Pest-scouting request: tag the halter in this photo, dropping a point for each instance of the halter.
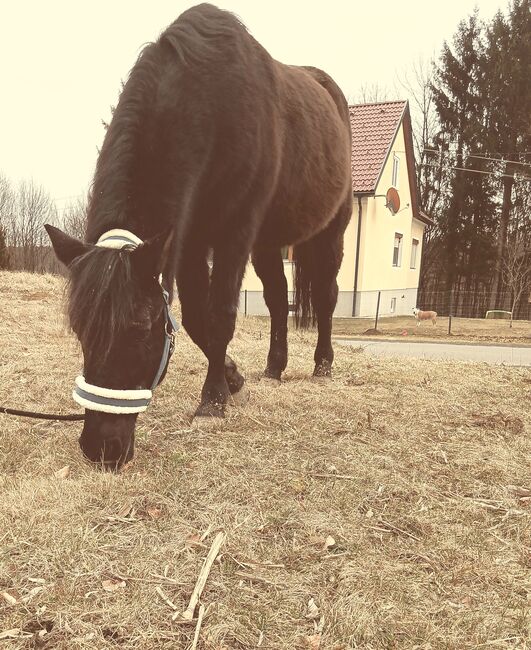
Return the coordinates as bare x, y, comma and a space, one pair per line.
111, 400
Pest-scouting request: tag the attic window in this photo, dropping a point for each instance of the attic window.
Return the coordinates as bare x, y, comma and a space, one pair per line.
396, 165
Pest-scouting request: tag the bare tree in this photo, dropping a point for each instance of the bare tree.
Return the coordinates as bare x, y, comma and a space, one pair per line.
516, 263
5, 192
516, 267
7, 210
415, 84
34, 208
74, 218
372, 93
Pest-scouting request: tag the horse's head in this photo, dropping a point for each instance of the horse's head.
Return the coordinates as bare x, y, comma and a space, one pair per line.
119, 313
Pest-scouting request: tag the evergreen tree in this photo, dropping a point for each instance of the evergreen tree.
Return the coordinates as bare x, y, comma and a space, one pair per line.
469, 208
508, 99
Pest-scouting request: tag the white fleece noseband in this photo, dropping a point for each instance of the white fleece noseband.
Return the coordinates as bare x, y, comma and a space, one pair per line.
111, 400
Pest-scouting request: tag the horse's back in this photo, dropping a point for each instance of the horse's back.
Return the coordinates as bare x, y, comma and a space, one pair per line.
315, 161
254, 136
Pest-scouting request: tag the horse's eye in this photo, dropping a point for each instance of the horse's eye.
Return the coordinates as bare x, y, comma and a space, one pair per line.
140, 331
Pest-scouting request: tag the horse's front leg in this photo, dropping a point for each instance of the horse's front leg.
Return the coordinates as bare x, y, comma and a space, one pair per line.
226, 279
193, 285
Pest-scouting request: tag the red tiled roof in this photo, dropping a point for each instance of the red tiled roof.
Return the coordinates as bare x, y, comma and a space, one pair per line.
373, 129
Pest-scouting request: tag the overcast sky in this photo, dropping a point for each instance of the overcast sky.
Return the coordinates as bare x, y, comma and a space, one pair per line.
61, 63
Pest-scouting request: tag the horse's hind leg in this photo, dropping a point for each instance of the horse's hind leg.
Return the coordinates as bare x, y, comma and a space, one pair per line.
193, 286
270, 269
327, 256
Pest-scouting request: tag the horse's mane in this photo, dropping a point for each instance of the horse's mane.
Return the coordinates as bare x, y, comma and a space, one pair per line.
101, 298
125, 161
196, 34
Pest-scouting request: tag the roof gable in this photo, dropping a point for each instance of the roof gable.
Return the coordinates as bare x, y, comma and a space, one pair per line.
374, 127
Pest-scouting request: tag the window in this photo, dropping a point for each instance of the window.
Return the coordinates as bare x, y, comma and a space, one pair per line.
397, 250
414, 249
393, 305
396, 165
287, 253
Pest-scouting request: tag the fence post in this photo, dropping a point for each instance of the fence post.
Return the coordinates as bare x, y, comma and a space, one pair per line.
245, 303
377, 311
450, 309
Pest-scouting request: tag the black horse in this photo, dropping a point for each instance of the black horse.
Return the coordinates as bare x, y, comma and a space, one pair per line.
214, 146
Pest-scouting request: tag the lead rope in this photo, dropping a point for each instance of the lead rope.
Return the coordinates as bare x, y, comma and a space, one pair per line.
72, 417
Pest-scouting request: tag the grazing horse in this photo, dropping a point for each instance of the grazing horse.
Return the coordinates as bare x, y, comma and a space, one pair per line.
213, 146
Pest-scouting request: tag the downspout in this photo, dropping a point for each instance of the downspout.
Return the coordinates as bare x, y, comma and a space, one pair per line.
358, 239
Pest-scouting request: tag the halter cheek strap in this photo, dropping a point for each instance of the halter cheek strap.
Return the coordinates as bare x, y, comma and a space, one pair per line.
111, 400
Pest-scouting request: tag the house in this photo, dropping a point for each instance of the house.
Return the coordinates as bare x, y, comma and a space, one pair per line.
383, 241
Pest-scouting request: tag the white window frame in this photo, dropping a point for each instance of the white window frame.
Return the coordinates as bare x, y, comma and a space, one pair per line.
393, 305
396, 170
414, 250
400, 236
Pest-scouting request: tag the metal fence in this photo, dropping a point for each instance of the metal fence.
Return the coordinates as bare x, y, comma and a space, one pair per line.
360, 304
474, 304
401, 302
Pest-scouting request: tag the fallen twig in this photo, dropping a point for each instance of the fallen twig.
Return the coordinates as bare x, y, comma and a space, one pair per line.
391, 527
188, 614
253, 578
165, 598
345, 477
198, 627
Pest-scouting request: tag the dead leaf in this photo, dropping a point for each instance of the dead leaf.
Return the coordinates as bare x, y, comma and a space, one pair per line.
312, 642
10, 600
194, 540
329, 543
520, 492
154, 513
113, 584
124, 511
31, 593
64, 472
312, 611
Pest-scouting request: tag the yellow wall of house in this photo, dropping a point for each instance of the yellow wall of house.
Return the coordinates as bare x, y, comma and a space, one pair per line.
379, 227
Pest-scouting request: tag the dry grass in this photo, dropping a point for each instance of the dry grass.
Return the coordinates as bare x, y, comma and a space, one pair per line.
408, 466
463, 329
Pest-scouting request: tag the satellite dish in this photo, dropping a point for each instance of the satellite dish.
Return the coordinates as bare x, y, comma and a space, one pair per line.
393, 200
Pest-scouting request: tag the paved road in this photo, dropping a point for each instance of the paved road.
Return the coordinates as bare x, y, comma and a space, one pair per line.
509, 355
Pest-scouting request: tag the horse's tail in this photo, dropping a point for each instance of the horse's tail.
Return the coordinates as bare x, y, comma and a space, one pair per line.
304, 262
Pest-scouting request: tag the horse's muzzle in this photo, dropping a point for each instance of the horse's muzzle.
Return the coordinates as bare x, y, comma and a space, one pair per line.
108, 439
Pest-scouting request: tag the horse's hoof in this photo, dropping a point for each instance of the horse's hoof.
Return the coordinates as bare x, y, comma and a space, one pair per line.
208, 416
270, 381
323, 371
241, 397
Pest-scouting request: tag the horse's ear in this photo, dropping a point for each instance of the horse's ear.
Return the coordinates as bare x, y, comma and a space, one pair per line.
150, 258
66, 248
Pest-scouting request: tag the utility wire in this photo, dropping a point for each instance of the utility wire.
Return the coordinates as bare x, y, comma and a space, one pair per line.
477, 155
475, 171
